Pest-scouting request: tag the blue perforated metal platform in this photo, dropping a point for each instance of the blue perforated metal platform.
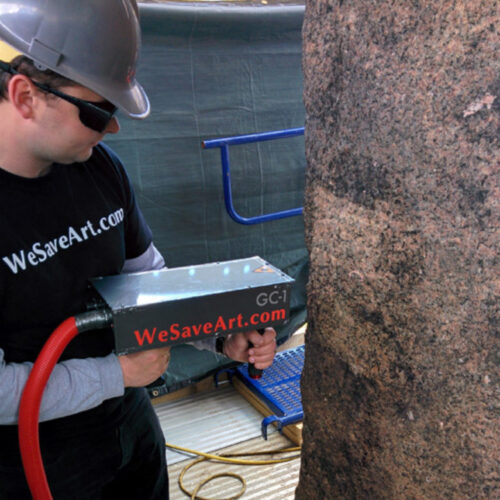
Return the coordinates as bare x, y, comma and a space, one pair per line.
279, 387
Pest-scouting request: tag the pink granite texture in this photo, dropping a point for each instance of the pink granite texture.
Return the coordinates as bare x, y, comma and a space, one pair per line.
401, 379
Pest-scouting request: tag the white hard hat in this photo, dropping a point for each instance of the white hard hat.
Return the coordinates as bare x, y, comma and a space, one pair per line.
95, 43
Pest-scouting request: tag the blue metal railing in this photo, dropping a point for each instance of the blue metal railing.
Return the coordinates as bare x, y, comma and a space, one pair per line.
224, 144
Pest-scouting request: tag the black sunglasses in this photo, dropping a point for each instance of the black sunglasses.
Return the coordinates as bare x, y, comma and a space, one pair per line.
94, 115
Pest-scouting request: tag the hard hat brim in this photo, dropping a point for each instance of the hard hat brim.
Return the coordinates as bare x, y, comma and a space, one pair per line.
133, 101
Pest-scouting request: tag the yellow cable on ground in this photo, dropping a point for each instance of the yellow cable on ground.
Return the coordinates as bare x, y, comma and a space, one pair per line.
227, 458
194, 494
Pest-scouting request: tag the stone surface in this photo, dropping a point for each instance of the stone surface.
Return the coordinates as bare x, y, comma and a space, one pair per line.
401, 378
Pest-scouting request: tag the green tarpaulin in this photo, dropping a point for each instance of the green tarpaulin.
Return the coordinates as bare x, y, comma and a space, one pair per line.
214, 71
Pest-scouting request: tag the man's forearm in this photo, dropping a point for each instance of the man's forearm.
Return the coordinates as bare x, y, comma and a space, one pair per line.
74, 386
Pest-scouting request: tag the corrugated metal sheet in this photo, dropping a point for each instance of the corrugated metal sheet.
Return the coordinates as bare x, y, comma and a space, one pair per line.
222, 421
208, 421
263, 482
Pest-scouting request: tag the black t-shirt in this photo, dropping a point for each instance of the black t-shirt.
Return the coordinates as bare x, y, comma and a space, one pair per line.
57, 231
77, 222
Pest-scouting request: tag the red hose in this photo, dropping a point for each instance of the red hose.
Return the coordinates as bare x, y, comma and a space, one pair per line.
29, 408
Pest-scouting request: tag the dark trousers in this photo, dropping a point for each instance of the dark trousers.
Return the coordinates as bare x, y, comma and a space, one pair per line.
126, 462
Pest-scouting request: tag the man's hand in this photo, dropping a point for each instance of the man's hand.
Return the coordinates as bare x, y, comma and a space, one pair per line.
143, 367
261, 354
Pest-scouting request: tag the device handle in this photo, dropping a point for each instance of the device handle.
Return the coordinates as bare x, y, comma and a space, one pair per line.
159, 382
255, 373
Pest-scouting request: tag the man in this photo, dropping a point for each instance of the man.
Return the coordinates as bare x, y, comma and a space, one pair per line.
68, 213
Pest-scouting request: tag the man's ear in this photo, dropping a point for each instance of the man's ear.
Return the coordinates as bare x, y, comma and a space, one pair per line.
22, 95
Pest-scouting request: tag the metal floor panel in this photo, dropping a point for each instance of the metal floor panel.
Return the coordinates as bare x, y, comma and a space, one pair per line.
266, 482
223, 421
208, 421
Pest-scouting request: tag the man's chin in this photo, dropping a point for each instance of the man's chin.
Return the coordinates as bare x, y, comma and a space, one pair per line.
78, 158
86, 156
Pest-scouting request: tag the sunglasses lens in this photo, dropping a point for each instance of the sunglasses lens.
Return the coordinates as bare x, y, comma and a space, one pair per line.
95, 118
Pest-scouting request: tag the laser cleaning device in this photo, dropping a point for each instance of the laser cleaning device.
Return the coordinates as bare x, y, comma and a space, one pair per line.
154, 309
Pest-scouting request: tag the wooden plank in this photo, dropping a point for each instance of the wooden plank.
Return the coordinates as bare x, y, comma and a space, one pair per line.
205, 385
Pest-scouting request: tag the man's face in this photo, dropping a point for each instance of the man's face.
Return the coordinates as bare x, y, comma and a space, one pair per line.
62, 137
